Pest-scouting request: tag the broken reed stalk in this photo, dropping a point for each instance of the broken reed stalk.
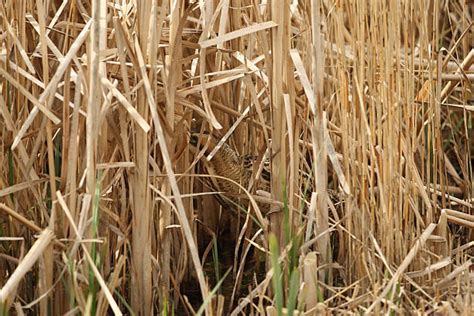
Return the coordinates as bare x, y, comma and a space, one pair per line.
106, 93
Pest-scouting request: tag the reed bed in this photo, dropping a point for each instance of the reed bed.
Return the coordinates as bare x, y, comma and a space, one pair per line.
363, 109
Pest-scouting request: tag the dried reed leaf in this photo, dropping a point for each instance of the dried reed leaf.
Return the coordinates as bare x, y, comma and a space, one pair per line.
404, 265
26, 264
54, 81
130, 109
236, 34
98, 276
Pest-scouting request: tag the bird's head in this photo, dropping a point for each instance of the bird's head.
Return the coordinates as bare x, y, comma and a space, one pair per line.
199, 141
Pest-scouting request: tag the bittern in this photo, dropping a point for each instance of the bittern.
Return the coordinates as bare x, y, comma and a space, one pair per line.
231, 168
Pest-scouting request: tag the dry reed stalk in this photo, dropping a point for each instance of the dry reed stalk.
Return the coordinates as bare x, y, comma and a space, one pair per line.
25, 265
318, 139
141, 282
310, 277
78, 235
166, 210
279, 77
47, 264
97, 99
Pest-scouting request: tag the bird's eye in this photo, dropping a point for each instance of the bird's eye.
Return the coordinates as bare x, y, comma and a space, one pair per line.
193, 140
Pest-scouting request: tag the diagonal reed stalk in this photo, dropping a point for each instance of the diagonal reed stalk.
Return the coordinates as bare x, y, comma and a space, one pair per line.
362, 110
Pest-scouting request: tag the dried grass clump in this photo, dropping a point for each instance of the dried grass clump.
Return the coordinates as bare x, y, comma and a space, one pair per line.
362, 108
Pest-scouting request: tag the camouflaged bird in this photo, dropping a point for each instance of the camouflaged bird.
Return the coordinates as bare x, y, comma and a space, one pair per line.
228, 164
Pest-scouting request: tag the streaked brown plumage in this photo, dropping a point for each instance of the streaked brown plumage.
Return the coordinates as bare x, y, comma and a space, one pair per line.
228, 164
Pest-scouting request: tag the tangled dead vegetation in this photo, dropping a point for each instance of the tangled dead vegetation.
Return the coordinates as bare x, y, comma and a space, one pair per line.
340, 179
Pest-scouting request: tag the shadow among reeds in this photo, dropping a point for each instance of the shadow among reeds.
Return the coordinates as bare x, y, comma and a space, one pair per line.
338, 178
